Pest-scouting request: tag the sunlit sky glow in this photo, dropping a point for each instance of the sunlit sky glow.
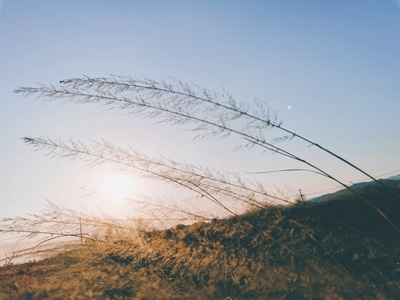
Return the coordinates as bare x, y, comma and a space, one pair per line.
330, 69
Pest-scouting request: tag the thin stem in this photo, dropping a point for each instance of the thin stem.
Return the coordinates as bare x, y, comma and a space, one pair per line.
184, 107
229, 108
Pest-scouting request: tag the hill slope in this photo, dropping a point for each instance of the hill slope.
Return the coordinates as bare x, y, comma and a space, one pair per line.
392, 182
338, 249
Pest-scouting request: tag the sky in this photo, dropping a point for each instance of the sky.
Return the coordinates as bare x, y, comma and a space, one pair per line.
330, 69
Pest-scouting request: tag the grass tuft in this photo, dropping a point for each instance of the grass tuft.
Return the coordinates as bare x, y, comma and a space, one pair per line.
326, 250
261, 246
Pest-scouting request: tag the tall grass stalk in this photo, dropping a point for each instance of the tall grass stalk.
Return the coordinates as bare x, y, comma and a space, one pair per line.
216, 186
181, 103
61, 224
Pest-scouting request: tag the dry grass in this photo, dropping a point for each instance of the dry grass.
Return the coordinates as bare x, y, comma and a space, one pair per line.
345, 248
333, 250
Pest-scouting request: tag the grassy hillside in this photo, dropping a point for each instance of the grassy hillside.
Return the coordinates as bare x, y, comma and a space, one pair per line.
339, 249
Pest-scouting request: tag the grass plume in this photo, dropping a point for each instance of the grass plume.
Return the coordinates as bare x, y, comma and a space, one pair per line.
261, 246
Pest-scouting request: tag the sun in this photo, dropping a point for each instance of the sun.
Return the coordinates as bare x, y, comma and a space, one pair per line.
116, 186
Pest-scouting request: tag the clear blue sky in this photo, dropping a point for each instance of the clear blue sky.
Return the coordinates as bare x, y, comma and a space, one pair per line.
335, 63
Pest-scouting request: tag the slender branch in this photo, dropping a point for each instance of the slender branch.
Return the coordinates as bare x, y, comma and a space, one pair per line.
183, 105
114, 154
129, 83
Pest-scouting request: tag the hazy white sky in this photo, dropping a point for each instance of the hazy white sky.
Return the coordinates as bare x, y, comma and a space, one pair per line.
335, 63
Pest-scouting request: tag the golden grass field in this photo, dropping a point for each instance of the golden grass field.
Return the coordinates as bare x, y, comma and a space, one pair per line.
338, 249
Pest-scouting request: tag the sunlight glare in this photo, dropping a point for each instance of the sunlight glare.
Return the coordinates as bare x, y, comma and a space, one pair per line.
117, 187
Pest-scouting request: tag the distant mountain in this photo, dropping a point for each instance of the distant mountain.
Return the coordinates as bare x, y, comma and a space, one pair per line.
395, 177
391, 181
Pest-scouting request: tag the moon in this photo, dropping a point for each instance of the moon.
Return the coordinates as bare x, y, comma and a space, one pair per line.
289, 107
